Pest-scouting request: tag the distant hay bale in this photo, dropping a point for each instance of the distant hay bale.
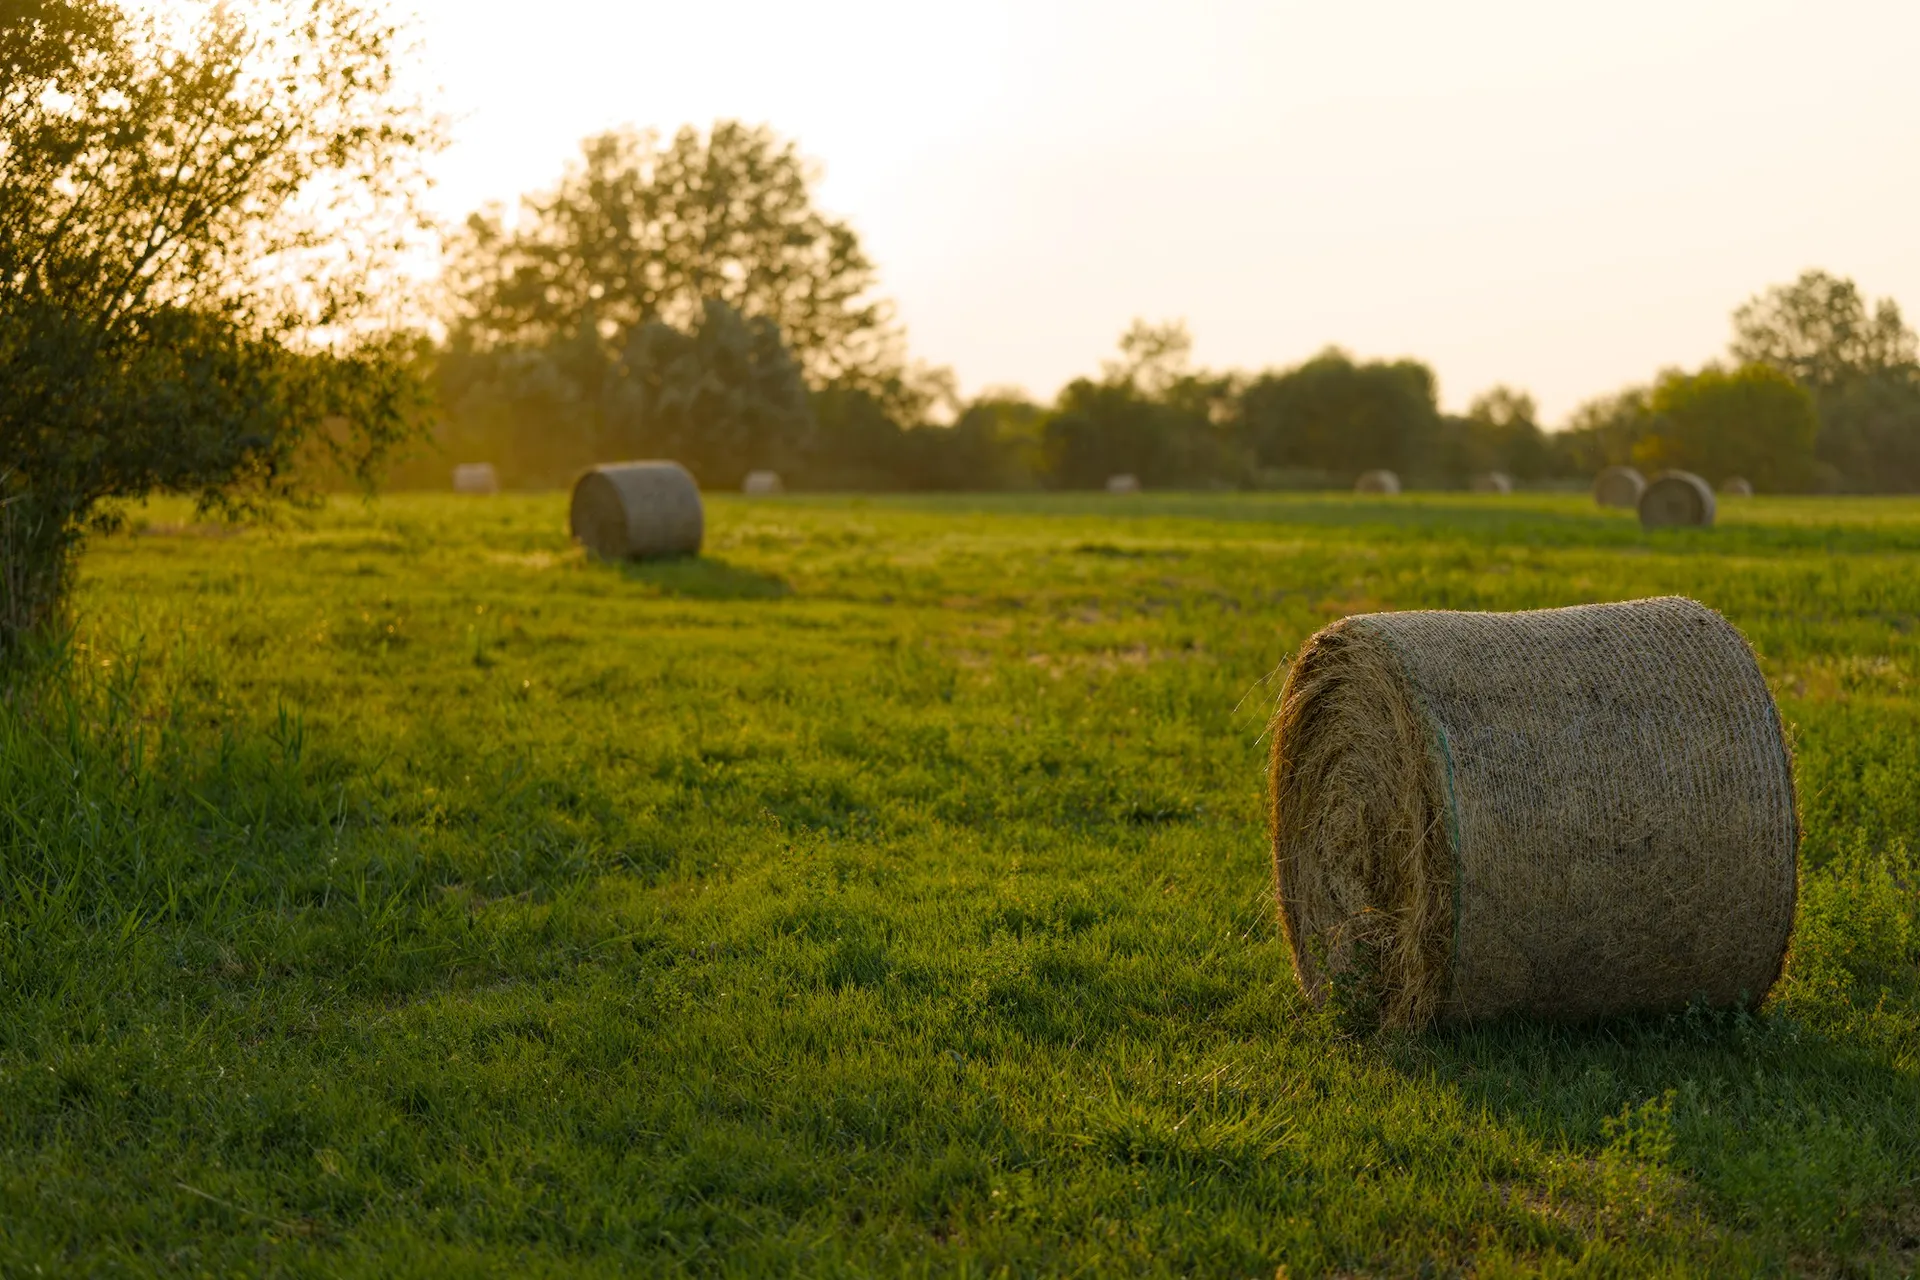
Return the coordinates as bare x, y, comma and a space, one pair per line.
475, 477
1568, 813
1123, 484
1676, 498
1737, 487
638, 510
1619, 487
762, 483
1377, 482
1493, 482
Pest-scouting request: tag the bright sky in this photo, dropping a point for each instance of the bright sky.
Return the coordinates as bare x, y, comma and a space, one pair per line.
1561, 197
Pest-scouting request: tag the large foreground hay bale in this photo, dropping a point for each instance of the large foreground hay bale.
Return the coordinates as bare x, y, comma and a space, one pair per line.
1568, 813
624, 510
1493, 482
476, 478
1676, 498
1123, 484
759, 484
1737, 487
1619, 487
1377, 482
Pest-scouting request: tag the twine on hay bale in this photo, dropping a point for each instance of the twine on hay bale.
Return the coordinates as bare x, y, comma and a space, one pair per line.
1377, 482
476, 478
1568, 813
1619, 487
1676, 498
1737, 487
1493, 482
1123, 484
761, 483
634, 510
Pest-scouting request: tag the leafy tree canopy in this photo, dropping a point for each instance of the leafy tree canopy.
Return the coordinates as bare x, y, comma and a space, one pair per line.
1501, 432
724, 397
1819, 331
198, 208
645, 229
1341, 416
1753, 421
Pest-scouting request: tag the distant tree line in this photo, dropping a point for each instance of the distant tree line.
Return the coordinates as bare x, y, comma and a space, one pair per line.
682, 297
1821, 393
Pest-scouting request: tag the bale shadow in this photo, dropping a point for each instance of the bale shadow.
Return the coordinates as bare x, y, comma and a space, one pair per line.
704, 578
1808, 1135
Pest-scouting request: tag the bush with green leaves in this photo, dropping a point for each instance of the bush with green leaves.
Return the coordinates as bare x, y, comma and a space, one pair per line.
201, 211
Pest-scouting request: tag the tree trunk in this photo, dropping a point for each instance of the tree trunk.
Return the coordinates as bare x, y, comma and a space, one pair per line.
37, 543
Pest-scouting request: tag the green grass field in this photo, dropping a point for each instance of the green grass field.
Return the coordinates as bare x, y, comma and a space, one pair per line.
397, 892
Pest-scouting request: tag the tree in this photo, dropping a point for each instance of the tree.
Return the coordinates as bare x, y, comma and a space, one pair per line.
1753, 421
1862, 367
1153, 357
1870, 432
1500, 432
1148, 416
725, 397
1334, 415
1603, 432
198, 211
1818, 331
537, 413
643, 230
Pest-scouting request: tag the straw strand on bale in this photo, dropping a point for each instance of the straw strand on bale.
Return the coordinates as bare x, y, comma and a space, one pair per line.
1569, 813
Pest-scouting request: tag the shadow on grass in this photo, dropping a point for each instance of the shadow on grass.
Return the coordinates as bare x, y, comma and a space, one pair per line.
1809, 1136
704, 578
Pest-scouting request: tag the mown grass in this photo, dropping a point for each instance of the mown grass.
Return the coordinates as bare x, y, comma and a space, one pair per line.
886, 892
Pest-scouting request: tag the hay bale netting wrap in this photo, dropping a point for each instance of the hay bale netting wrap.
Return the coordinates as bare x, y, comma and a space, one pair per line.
760, 484
1619, 487
1737, 487
1676, 498
637, 510
1568, 813
476, 478
1377, 482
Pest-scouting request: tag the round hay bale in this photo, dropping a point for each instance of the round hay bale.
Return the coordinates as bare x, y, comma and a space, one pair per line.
475, 477
1123, 484
1619, 487
1737, 487
1676, 498
1377, 482
1493, 482
1568, 813
638, 510
761, 483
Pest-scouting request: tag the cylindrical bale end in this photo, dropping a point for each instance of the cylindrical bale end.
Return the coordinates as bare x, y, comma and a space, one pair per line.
1619, 487
1568, 813
1676, 499
1493, 482
638, 510
1737, 487
1377, 482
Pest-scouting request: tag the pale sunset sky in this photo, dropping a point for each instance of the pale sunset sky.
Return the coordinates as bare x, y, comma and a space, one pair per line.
1561, 197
